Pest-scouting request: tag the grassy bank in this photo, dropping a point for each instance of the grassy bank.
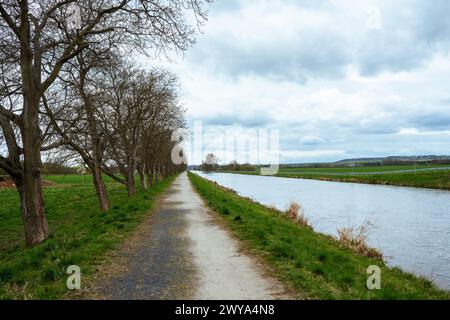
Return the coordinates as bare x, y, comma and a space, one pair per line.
360, 170
315, 265
432, 180
80, 234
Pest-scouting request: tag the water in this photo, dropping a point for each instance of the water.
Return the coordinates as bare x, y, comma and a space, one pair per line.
412, 225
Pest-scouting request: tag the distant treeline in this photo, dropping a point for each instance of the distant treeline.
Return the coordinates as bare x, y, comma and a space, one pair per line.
233, 166
58, 168
52, 168
394, 162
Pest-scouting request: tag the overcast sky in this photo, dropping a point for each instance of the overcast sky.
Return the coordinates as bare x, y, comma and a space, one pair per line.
339, 78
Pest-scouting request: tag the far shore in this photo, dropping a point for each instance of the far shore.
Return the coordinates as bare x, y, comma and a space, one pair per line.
438, 179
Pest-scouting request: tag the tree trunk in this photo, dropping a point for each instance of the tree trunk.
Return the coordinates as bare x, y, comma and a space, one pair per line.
149, 178
143, 180
35, 224
131, 184
31, 199
97, 149
156, 177
32, 202
100, 188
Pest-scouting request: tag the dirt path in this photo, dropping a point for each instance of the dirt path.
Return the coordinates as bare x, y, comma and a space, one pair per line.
184, 254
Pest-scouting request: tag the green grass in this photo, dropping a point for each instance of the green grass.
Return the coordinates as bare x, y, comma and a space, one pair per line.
366, 169
75, 179
314, 265
80, 235
432, 180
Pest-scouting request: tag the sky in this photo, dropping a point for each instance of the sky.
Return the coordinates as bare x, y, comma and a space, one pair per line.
338, 78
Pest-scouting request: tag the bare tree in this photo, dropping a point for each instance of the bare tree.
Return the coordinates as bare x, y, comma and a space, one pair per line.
166, 117
37, 39
211, 162
75, 116
139, 104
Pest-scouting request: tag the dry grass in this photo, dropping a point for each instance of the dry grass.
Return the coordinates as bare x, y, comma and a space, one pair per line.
6, 182
19, 291
296, 213
356, 239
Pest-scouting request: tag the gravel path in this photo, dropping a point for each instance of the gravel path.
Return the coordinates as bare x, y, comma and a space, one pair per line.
186, 254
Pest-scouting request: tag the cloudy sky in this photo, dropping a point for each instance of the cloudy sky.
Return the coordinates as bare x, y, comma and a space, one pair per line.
338, 78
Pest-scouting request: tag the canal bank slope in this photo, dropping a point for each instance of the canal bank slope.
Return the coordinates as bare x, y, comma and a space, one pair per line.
315, 265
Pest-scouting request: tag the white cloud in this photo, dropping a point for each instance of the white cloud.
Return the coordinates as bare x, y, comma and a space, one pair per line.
415, 132
305, 155
311, 140
314, 70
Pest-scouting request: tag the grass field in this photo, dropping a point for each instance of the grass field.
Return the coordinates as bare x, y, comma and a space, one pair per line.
80, 234
358, 170
314, 265
432, 180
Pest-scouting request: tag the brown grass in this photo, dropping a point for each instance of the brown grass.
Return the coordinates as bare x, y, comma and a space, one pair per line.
296, 213
6, 182
356, 239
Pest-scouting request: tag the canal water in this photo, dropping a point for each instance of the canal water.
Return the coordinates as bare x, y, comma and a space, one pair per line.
412, 225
